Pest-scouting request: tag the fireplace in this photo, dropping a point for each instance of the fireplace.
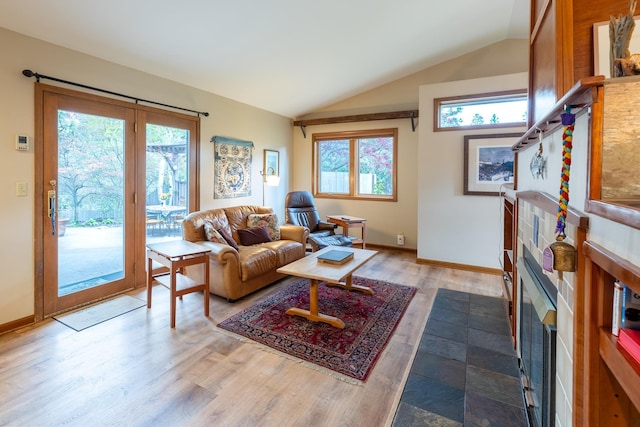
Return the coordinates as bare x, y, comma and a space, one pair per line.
537, 338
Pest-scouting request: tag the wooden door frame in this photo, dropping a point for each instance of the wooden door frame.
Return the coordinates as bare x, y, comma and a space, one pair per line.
39, 182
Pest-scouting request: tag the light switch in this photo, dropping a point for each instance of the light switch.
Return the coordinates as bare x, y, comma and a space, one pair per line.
21, 189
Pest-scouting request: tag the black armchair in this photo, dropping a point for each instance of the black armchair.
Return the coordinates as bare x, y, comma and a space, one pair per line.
300, 209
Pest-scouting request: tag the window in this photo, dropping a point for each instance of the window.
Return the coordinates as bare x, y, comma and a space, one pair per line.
358, 164
500, 109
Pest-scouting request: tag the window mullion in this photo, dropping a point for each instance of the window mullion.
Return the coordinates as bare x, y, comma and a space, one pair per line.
353, 146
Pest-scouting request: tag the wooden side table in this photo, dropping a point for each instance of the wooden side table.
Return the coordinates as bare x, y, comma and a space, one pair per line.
347, 222
177, 254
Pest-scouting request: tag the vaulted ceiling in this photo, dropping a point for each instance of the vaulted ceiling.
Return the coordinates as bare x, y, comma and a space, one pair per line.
289, 57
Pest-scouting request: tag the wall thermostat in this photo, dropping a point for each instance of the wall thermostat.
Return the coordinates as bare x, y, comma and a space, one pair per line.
22, 143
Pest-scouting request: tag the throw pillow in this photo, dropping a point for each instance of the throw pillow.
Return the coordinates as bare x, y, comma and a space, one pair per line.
265, 220
212, 234
228, 238
253, 236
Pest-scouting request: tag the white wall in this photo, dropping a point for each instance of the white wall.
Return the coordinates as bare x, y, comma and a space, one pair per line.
453, 227
228, 118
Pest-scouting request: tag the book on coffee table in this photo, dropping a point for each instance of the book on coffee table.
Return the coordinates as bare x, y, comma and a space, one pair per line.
335, 257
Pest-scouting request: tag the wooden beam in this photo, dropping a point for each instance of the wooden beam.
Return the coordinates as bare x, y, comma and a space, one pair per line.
359, 118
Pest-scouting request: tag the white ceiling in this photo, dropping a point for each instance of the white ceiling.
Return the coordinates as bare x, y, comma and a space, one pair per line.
290, 57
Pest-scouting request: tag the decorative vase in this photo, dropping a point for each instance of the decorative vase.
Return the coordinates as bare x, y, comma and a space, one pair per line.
62, 226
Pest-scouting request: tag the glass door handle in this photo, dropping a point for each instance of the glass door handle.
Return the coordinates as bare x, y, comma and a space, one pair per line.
51, 196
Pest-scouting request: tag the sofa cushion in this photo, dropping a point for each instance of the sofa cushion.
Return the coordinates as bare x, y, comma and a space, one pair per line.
265, 220
286, 251
212, 234
255, 261
254, 235
228, 238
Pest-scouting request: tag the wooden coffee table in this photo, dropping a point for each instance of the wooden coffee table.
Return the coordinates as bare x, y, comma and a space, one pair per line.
335, 275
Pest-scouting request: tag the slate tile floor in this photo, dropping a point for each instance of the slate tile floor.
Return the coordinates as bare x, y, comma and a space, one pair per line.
465, 372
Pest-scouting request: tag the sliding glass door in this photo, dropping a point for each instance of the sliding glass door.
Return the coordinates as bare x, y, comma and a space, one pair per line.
106, 191
88, 172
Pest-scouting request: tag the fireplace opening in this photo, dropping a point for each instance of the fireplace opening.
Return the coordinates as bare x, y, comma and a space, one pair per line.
538, 299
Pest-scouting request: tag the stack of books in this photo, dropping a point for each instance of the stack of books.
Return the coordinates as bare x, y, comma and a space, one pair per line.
335, 257
626, 319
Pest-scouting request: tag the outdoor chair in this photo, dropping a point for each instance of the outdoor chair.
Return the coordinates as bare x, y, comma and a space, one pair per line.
300, 209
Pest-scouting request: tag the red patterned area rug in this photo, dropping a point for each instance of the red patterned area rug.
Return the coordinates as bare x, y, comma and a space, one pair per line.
369, 322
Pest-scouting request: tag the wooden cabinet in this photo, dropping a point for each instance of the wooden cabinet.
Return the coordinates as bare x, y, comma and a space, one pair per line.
507, 261
561, 47
612, 384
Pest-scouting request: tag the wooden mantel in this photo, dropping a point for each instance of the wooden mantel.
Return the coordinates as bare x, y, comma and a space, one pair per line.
580, 96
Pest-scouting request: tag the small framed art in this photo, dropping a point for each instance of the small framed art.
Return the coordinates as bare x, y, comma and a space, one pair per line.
271, 165
488, 163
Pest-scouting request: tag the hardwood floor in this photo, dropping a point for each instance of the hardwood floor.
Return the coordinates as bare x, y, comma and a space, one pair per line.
134, 370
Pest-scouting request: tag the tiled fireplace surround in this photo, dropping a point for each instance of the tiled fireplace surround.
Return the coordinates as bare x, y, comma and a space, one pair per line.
532, 219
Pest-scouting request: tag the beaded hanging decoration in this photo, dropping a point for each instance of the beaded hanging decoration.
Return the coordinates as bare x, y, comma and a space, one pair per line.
568, 121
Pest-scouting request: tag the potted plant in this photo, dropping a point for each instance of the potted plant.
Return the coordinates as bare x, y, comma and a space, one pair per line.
62, 226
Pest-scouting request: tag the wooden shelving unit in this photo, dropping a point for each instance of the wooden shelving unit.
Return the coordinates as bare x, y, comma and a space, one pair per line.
612, 386
509, 233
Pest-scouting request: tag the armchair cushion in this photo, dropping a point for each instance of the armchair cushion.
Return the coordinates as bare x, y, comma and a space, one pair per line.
326, 225
318, 243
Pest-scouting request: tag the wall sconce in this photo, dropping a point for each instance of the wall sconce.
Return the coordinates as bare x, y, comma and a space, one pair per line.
271, 179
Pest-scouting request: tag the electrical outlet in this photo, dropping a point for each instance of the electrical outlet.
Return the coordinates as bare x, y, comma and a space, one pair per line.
21, 189
400, 238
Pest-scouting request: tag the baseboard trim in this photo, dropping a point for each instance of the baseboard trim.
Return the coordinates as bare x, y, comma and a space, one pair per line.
18, 323
392, 248
456, 266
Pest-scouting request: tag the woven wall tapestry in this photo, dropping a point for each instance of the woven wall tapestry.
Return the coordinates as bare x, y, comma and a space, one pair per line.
232, 160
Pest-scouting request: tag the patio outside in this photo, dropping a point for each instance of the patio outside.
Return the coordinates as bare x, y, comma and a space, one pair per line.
83, 259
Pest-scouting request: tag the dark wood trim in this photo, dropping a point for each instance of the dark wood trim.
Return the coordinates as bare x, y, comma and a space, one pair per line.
581, 95
611, 387
18, 323
359, 118
595, 147
550, 204
613, 264
579, 309
456, 266
537, 21
622, 214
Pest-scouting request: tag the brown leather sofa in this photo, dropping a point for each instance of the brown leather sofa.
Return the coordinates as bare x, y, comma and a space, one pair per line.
236, 273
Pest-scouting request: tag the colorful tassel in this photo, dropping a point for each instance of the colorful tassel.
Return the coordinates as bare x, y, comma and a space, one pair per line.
568, 121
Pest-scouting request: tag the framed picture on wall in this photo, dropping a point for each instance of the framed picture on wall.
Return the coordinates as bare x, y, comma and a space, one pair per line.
271, 165
488, 163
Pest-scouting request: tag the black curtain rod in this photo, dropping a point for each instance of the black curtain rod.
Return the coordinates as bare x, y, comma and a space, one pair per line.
29, 73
